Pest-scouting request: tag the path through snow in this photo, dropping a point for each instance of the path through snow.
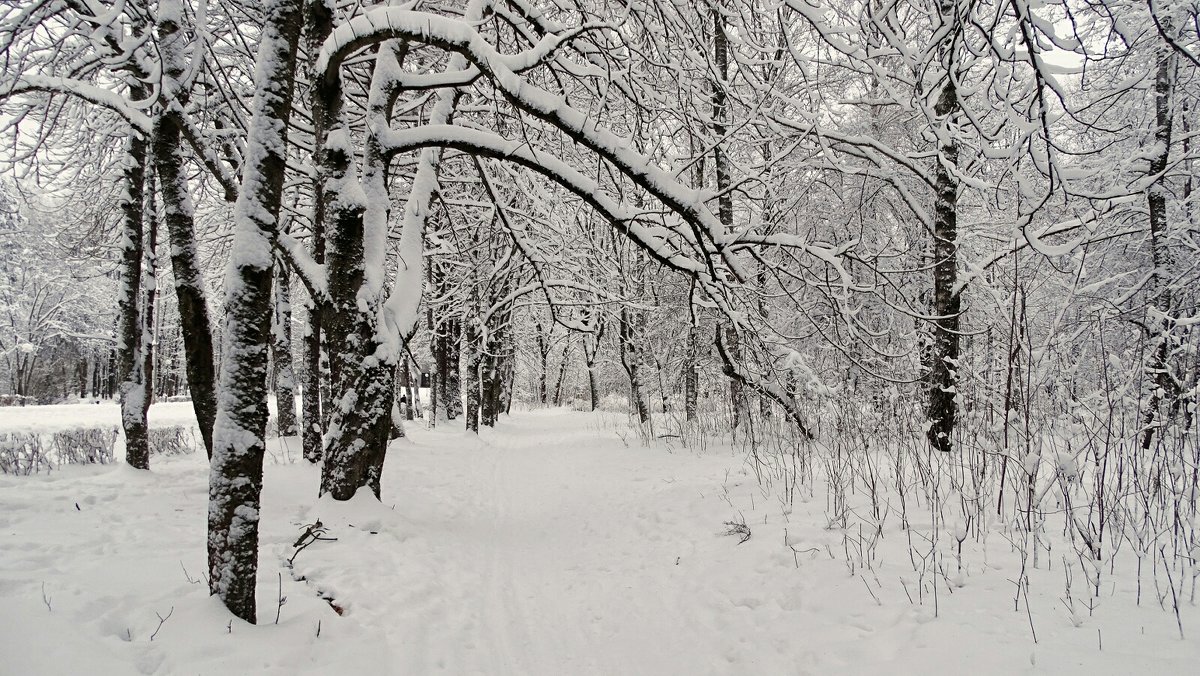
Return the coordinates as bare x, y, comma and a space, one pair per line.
546, 546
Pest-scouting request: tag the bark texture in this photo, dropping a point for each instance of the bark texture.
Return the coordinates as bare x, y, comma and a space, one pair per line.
942, 408
130, 365
363, 369
178, 214
281, 352
720, 105
1165, 389
318, 24
235, 479
631, 358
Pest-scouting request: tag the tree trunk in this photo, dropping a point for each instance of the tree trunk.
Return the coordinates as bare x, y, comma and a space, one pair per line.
81, 376
318, 24
397, 416
281, 351
631, 360
691, 374
942, 409
178, 215
453, 379
562, 373
1165, 390
380, 430
543, 346
437, 378
363, 378
418, 409
474, 368
737, 398
494, 366
150, 299
490, 384
362, 391
311, 419
507, 374
593, 392
235, 480
130, 364
406, 384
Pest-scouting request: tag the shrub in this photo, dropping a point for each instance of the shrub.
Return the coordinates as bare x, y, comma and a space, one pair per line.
175, 440
22, 453
84, 446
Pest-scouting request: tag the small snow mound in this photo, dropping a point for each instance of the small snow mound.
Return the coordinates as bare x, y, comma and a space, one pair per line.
363, 511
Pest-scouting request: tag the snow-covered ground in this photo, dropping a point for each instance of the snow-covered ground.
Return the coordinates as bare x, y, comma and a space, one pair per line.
555, 544
103, 414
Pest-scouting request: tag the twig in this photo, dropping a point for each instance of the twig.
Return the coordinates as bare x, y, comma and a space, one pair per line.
741, 529
1028, 612
1174, 596
161, 620
282, 599
186, 575
312, 533
864, 581
46, 599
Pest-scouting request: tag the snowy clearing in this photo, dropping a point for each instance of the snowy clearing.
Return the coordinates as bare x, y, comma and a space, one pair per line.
58, 417
548, 546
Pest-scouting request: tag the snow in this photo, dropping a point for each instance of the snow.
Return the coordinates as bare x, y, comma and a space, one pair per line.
389, 22
82, 90
555, 543
486, 143
58, 417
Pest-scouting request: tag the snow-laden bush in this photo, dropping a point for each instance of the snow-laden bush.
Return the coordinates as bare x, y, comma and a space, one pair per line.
16, 400
25, 453
22, 453
177, 440
615, 403
85, 446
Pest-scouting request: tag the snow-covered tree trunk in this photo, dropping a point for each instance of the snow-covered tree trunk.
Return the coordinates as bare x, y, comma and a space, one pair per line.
474, 375
437, 349
942, 408
149, 297
562, 371
235, 478
691, 361
130, 367
281, 353
691, 374
543, 348
1165, 389
720, 105
508, 374
417, 407
318, 24
452, 355
363, 364
490, 384
493, 368
631, 359
591, 351
359, 402
406, 384
178, 215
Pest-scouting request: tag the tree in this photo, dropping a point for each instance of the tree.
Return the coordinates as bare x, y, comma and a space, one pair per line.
235, 482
